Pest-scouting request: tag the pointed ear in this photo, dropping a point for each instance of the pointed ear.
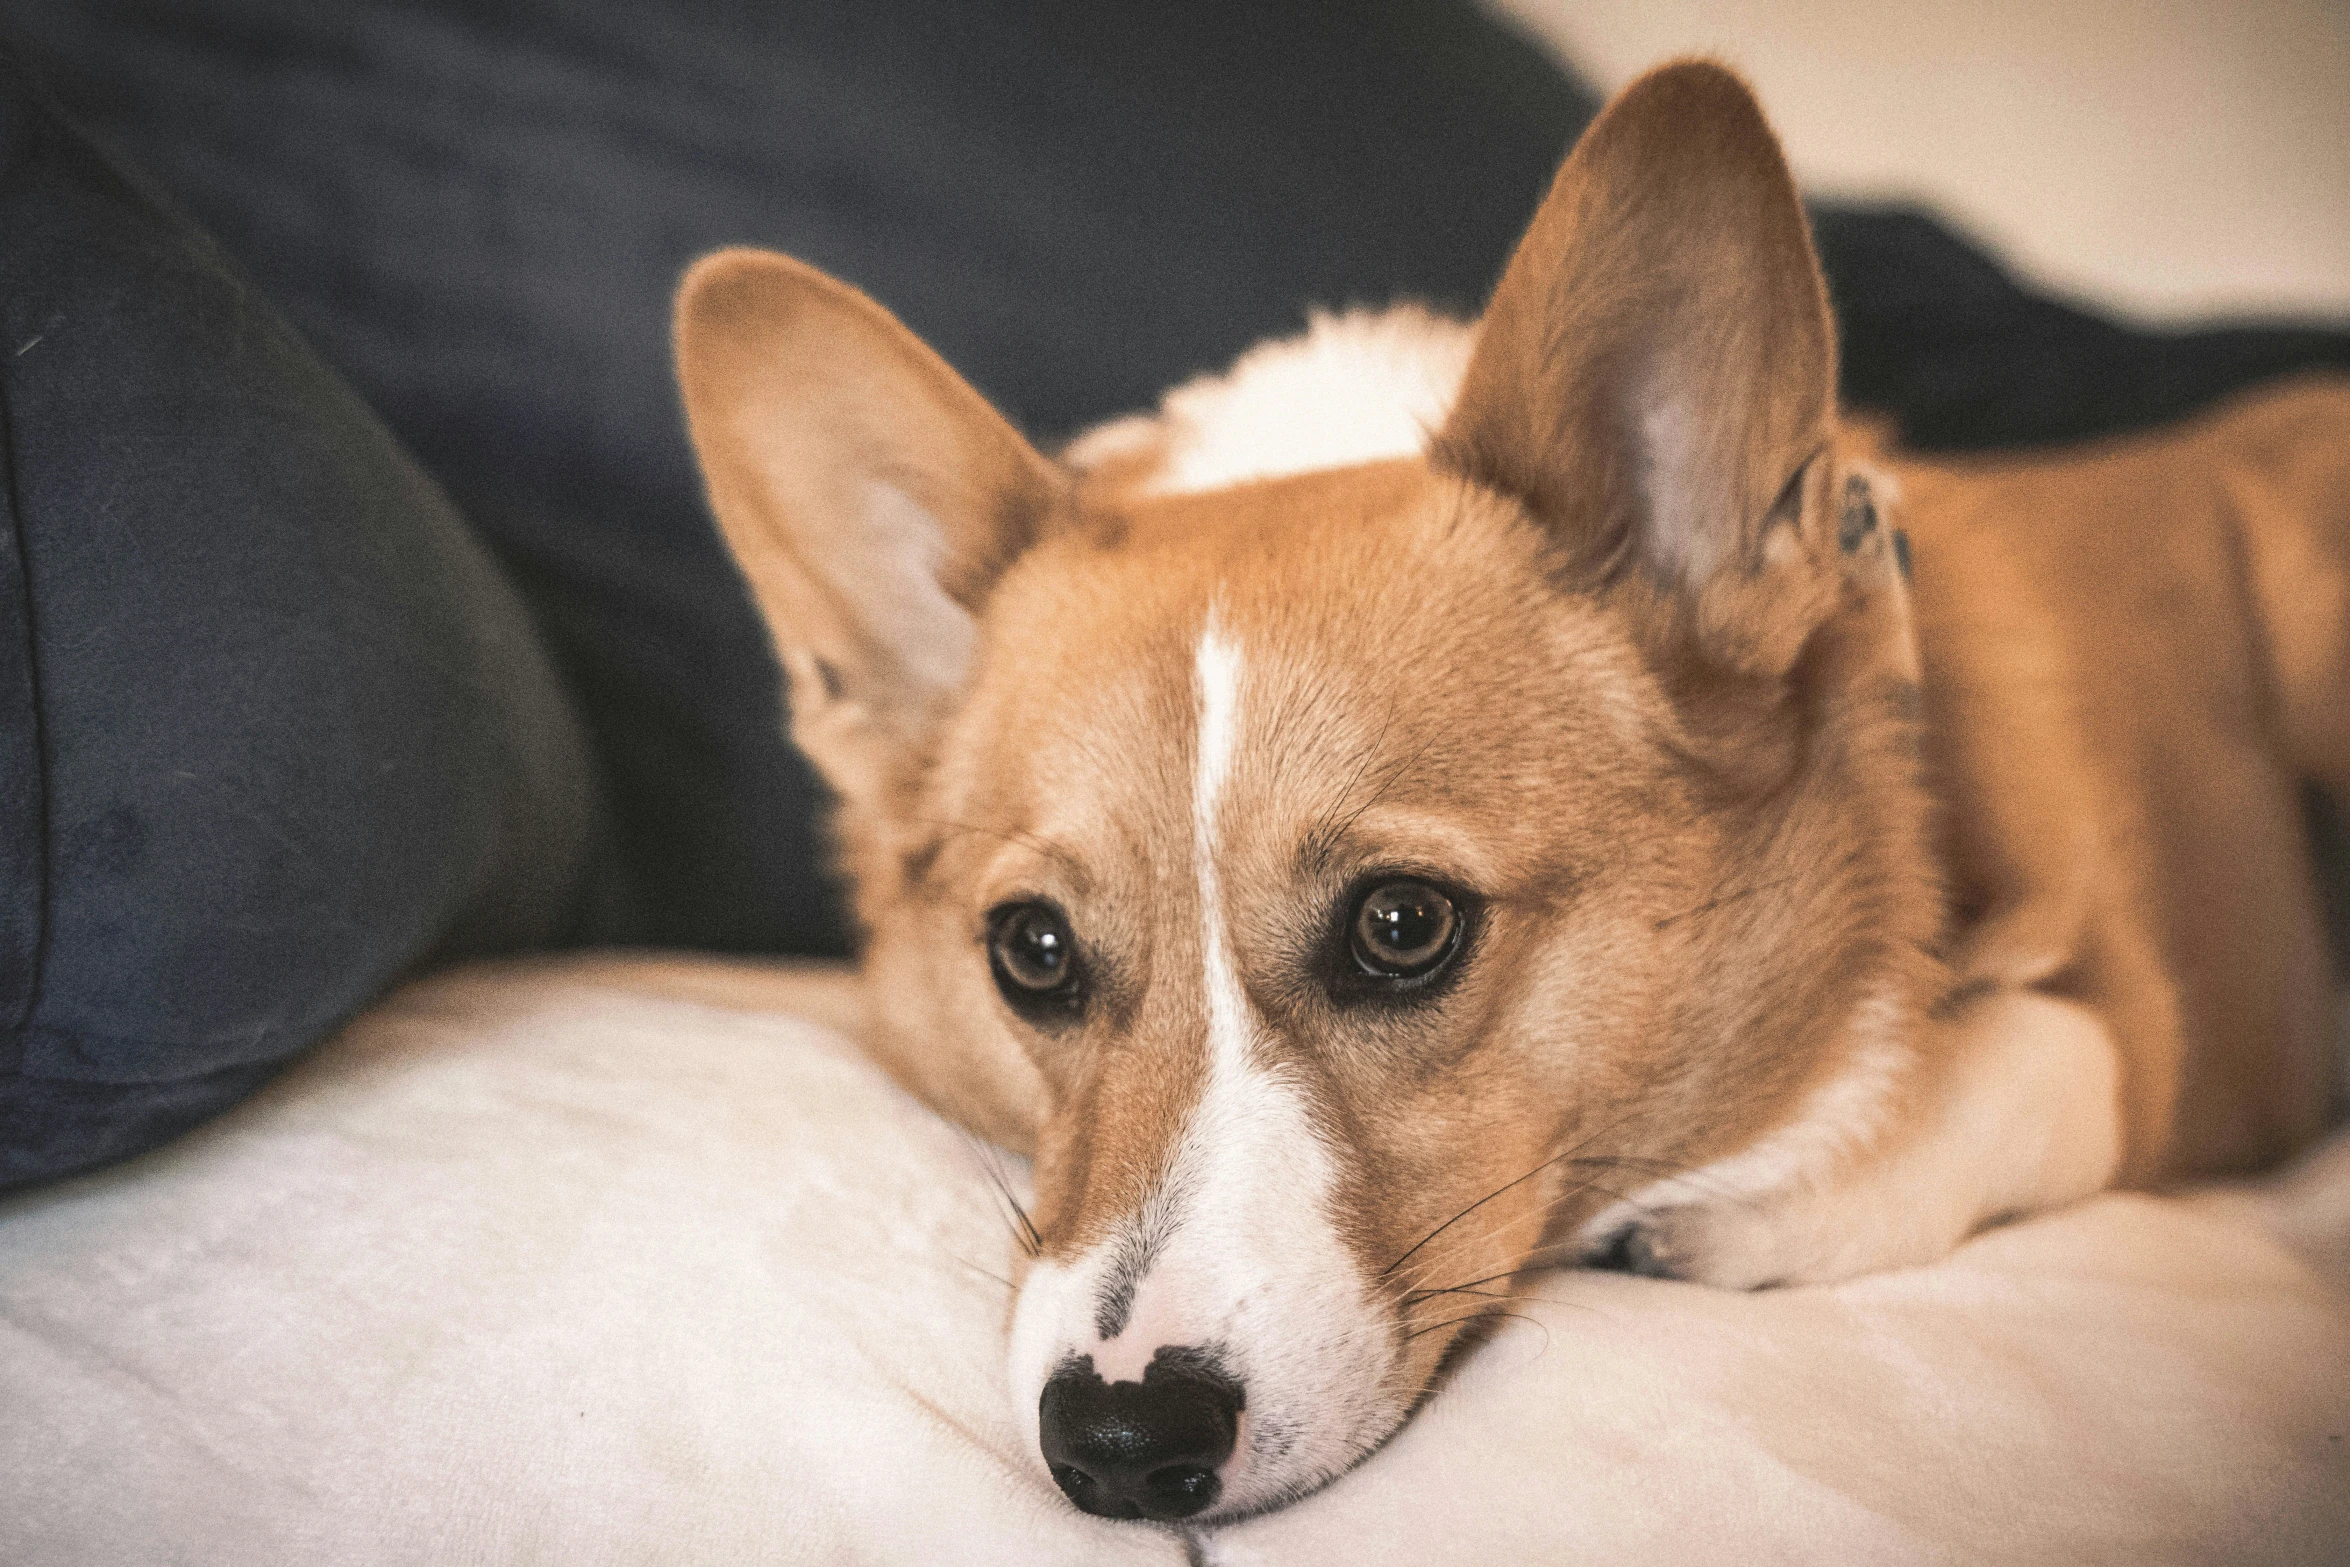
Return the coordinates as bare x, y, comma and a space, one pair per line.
870, 495
1657, 365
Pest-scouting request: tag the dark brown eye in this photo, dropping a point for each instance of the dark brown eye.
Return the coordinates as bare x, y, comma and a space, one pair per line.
1034, 958
1404, 930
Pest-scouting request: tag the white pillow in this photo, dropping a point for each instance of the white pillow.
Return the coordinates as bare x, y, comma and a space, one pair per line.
606, 1262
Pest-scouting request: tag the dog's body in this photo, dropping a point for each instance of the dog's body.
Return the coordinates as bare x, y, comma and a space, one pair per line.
1444, 799
2208, 562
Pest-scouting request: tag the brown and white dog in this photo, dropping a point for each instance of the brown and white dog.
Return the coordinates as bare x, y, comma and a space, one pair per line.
1443, 799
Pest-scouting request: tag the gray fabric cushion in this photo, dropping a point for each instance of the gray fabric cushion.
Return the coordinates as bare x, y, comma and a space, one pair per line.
273, 728
479, 209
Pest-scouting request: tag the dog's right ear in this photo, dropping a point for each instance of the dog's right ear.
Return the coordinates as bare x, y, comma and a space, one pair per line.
1656, 373
869, 493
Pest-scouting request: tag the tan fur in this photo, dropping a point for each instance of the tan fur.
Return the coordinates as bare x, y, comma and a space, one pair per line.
2118, 745
1772, 844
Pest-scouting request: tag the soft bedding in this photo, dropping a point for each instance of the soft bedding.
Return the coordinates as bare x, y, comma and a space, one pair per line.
631, 1260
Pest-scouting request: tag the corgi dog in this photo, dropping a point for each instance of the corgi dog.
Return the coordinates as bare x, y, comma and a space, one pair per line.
1446, 799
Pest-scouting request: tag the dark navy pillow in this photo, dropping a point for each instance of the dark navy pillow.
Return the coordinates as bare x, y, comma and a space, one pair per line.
478, 209
273, 728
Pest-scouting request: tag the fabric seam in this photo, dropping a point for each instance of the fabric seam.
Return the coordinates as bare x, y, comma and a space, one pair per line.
38, 963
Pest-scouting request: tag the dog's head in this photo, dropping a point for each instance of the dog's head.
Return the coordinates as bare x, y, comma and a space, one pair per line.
1350, 884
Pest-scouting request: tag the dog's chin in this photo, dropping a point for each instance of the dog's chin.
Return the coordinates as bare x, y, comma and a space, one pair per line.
1272, 1492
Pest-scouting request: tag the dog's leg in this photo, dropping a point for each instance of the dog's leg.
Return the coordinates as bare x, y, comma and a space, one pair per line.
2021, 1115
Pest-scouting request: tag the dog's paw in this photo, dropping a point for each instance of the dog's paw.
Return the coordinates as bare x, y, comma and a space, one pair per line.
1696, 1244
1630, 1249
1808, 1234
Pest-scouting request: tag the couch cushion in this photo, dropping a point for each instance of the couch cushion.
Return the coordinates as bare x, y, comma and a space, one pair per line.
273, 727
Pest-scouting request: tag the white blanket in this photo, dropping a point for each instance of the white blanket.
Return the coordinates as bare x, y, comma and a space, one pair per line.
625, 1262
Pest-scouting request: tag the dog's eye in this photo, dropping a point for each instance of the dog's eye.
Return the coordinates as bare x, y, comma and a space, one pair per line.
1034, 958
1404, 930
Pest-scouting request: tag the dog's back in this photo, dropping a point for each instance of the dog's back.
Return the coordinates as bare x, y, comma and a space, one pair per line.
2135, 655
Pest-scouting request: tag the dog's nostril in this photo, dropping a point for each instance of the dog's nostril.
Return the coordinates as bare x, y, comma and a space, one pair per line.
1147, 1449
1183, 1489
1075, 1484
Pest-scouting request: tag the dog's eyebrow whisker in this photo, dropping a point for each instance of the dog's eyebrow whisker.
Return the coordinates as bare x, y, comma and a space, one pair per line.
1019, 835
1326, 829
1329, 831
1722, 900
1395, 775
1307, 713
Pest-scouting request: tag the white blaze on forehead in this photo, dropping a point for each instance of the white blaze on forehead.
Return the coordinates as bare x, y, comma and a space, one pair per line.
1216, 669
1234, 1250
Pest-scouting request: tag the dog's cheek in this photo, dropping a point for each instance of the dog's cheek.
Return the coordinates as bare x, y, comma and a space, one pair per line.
1058, 1173
937, 1028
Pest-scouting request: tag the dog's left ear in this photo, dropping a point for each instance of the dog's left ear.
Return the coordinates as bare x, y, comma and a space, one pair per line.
871, 496
1655, 375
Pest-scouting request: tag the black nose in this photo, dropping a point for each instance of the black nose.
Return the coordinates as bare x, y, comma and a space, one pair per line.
1145, 1449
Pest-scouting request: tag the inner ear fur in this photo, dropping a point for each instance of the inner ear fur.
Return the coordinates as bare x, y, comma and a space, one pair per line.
870, 495
1654, 378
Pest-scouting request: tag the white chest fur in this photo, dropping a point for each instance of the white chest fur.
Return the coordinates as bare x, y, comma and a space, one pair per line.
1352, 388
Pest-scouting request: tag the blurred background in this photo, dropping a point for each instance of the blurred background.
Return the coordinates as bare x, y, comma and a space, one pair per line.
2173, 159
2041, 223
